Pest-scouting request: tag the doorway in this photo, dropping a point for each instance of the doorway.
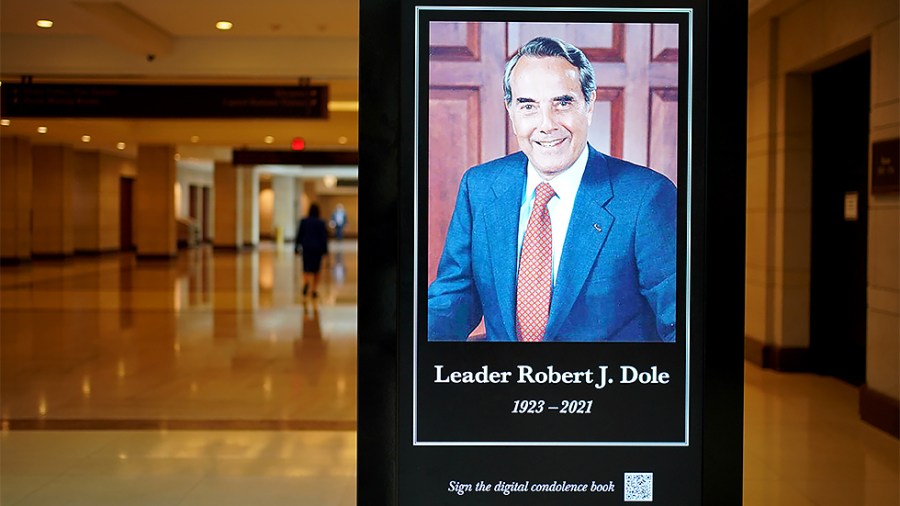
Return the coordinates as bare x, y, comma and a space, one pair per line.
840, 155
204, 206
126, 214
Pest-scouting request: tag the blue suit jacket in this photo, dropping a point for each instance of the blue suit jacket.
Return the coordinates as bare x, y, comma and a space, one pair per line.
616, 278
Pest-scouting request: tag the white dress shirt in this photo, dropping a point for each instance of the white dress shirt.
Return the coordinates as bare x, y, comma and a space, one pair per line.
560, 206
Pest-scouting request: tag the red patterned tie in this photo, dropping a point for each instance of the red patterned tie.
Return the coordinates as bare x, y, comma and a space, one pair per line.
535, 270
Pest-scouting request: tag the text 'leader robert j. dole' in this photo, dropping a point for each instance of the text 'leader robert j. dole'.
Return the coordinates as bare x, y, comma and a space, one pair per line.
557, 242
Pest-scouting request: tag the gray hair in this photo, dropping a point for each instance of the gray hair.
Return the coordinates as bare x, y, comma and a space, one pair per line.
551, 47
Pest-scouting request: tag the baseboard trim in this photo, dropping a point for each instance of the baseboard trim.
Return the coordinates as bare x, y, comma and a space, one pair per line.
96, 252
754, 351
157, 257
774, 357
52, 256
879, 410
13, 261
233, 248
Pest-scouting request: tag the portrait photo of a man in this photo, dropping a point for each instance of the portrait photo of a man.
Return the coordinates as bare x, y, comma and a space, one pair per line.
558, 241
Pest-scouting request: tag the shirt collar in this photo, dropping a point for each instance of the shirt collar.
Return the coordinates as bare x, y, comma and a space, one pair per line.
565, 184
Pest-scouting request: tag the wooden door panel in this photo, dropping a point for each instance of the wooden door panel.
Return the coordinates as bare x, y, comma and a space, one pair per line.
635, 116
193, 201
453, 113
663, 146
664, 43
483, 72
455, 41
467, 119
600, 42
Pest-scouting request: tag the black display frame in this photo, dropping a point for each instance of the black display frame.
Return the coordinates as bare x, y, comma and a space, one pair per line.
393, 471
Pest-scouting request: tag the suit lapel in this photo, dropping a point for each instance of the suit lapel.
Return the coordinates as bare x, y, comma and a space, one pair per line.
502, 219
588, 229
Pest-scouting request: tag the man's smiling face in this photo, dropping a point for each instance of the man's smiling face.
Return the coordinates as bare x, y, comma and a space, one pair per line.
549, 114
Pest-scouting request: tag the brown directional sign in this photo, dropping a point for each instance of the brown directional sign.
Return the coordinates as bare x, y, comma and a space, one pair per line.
886, 166
261, 157
30, 100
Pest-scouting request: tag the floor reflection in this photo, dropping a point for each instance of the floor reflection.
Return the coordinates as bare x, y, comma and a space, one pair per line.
211, 337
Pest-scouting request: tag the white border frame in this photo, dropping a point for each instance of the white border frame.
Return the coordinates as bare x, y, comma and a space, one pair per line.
687, 312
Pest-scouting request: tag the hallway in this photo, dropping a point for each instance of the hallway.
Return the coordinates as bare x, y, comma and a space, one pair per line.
210, 380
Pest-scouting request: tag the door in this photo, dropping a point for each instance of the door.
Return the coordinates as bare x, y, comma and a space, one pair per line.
635, 115
839, 220
194, 203
126, 214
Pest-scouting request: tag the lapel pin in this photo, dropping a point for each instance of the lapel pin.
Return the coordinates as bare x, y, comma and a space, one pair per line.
598, 228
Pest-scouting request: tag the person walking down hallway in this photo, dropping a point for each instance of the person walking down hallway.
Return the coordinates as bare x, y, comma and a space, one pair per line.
312, 243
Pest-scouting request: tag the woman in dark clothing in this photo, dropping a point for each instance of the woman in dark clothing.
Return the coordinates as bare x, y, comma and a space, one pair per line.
312, 241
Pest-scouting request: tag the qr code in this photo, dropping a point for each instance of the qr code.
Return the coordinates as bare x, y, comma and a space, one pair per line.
638, 487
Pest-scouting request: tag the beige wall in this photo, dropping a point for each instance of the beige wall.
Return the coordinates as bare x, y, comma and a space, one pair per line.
227, 206
86, 201
308, 195
285, 189
883, 318
15, 198
239, 217
96, 201
72, 197
267, 213
110, 168
788, 41
154, 201
53, 230
201, 178
250, 208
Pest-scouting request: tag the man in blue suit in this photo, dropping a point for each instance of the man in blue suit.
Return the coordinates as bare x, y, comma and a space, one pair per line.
557, 242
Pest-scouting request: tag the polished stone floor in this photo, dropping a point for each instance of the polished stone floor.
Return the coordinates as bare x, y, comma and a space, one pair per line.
218, 339
212, 380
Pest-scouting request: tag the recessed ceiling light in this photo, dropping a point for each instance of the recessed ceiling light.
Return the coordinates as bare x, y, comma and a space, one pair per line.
195, 139
4, 122
120, 146
44, 23
342, 140
269, 139
343, 106
224, 25
42, 130
85, 138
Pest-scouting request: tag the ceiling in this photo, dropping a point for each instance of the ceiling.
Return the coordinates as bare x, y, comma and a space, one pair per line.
273, 42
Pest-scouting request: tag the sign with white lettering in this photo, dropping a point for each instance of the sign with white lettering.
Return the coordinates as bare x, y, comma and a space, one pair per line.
49, 100
851, 206
886, 166
553, 333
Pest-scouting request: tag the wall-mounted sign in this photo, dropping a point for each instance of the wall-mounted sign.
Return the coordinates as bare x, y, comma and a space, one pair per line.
33, 100
553, 330
273, 157
886, 166
851, 206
